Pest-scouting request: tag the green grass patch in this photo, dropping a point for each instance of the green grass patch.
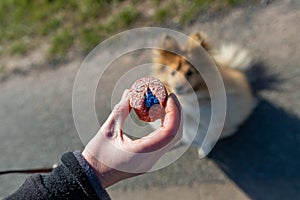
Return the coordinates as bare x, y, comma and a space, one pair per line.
121, 19
234, 2
83, 24
161, 15
2, 68
18, 47
61, 43
49, 26
48, 19
91, 36
127, 16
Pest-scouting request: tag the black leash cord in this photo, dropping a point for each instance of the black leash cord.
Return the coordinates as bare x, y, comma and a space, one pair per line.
27, 171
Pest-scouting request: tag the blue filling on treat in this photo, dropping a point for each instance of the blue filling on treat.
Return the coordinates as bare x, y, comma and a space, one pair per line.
150, 99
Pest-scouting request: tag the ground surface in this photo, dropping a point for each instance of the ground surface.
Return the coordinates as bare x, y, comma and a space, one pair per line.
260, 162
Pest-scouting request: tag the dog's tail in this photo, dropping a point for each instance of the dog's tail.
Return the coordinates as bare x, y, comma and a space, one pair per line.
236, 57
233, 56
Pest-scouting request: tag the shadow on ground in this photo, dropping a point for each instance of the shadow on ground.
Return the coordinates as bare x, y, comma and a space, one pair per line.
263, 158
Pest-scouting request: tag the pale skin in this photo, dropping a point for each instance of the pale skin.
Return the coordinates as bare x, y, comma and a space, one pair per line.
111, 140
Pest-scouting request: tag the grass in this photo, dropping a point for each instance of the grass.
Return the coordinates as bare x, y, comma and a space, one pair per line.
89, 38
18, 47
122, 19
49, 26
94, 34
186, 11
161, 15
2, 69
61, 42
83, 24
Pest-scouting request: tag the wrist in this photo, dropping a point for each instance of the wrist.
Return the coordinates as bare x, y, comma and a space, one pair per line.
106, 175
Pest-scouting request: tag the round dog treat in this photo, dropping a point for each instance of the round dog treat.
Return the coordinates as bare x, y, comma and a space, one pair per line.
148, 97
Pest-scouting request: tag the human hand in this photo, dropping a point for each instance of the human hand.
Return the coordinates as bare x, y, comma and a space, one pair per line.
114, 156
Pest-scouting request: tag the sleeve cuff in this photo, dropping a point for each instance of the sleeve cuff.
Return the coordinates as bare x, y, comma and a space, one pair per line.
92, 177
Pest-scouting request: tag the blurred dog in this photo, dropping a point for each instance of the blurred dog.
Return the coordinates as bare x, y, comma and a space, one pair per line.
181, 77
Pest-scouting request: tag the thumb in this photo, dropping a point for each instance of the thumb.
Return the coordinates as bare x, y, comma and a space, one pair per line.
119, 113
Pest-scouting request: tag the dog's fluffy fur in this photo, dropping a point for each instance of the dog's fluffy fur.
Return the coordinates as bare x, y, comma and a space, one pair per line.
182, 78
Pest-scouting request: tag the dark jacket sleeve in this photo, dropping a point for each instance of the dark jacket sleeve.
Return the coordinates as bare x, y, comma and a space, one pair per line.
67, 181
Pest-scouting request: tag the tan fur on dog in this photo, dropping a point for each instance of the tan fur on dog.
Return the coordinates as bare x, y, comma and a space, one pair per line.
181, 78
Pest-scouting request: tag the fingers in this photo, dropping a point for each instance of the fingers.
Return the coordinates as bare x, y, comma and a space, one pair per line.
173, 114
165, 134
119, 114
170, 130
122, 109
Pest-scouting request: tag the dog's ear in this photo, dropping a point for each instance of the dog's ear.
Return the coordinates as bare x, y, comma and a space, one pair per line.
167, 46
169, 43
197, 39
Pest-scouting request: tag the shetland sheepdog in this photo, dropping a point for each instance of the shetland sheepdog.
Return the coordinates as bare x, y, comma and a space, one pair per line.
182, 78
